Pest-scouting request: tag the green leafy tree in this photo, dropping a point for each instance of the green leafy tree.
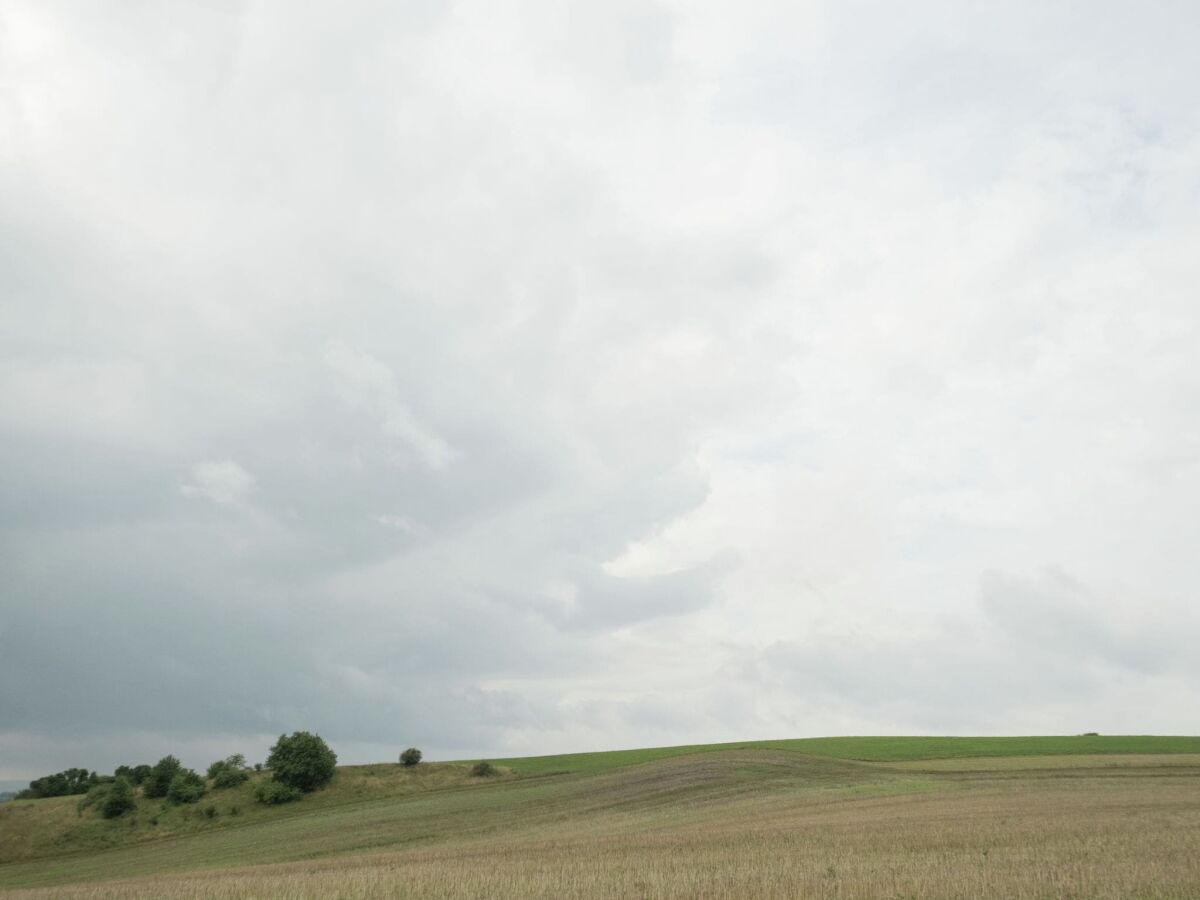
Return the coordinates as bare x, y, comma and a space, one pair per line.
158, 782
60, 784
186, 787
228, 772
135, 775
410, 757
302, 761
119, 799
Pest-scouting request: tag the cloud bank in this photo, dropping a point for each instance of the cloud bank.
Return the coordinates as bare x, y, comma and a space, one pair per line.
524, 377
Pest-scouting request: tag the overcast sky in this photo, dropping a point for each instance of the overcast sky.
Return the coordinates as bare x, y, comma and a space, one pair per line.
518, 377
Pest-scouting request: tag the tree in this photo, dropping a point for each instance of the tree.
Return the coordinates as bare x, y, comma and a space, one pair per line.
60, 784
410, 757
119, 799
302, 761
228, 772
186, 787
159, 780
134, 774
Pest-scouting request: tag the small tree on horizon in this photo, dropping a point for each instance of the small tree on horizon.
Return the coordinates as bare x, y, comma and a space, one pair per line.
302, 761
410, 757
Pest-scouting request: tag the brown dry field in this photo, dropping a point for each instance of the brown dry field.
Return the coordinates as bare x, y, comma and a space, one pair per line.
1129, 829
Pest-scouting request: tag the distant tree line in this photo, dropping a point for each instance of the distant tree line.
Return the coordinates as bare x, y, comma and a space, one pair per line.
298, 764
60, 784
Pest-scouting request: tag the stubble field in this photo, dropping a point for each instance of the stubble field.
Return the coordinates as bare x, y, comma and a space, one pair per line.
765, 820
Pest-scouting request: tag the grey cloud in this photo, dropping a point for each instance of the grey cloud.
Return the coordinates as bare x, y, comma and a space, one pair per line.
348, 357
1058, 615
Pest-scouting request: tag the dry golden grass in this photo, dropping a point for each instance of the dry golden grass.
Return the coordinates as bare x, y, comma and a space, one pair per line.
747, 825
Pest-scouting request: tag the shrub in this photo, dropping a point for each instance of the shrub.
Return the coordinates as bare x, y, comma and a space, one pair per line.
410, 757
94, 797
228, 772
133, 774
210, 811
302, 761
118, 800
484, 770
273, 793
60, 784
158, 782
185, 787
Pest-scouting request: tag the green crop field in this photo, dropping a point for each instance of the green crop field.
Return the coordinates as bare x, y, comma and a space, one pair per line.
874, 749
840, 817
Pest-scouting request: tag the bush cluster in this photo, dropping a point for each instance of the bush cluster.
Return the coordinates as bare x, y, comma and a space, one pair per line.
158, 782
60, 784
113, 797
185, 787
273, 793
298, 763
119, 799
229, 772
410, 757
135, 775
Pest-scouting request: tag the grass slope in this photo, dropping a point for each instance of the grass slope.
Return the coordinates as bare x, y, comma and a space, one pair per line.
871, 749
765, 818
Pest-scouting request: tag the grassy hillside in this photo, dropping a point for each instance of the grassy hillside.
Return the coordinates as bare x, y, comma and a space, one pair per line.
872, 749
1111, 817
54, 826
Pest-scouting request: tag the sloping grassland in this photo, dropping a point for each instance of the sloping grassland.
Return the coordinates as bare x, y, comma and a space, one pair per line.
704, 822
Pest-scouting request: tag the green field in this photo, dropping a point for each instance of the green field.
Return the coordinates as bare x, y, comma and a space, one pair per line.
873, 749
848, 817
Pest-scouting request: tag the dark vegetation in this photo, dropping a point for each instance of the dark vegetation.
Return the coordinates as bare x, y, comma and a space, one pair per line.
158, 782
272, 793
185, 787
229, 772
135, 775
60, 784
410, 757
298, 764
484, 769
302, 761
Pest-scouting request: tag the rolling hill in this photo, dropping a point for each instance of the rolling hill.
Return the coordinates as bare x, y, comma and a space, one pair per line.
854, 817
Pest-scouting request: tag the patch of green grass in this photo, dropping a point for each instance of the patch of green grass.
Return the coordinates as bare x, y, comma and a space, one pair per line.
870, 749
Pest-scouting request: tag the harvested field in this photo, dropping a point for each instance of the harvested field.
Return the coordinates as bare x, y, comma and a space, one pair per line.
727, 823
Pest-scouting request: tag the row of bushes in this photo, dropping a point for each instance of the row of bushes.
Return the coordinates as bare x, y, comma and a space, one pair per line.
298, 764
60, 784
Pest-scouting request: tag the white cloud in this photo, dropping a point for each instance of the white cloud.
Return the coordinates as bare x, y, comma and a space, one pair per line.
221, 481
639, 373
367, 384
